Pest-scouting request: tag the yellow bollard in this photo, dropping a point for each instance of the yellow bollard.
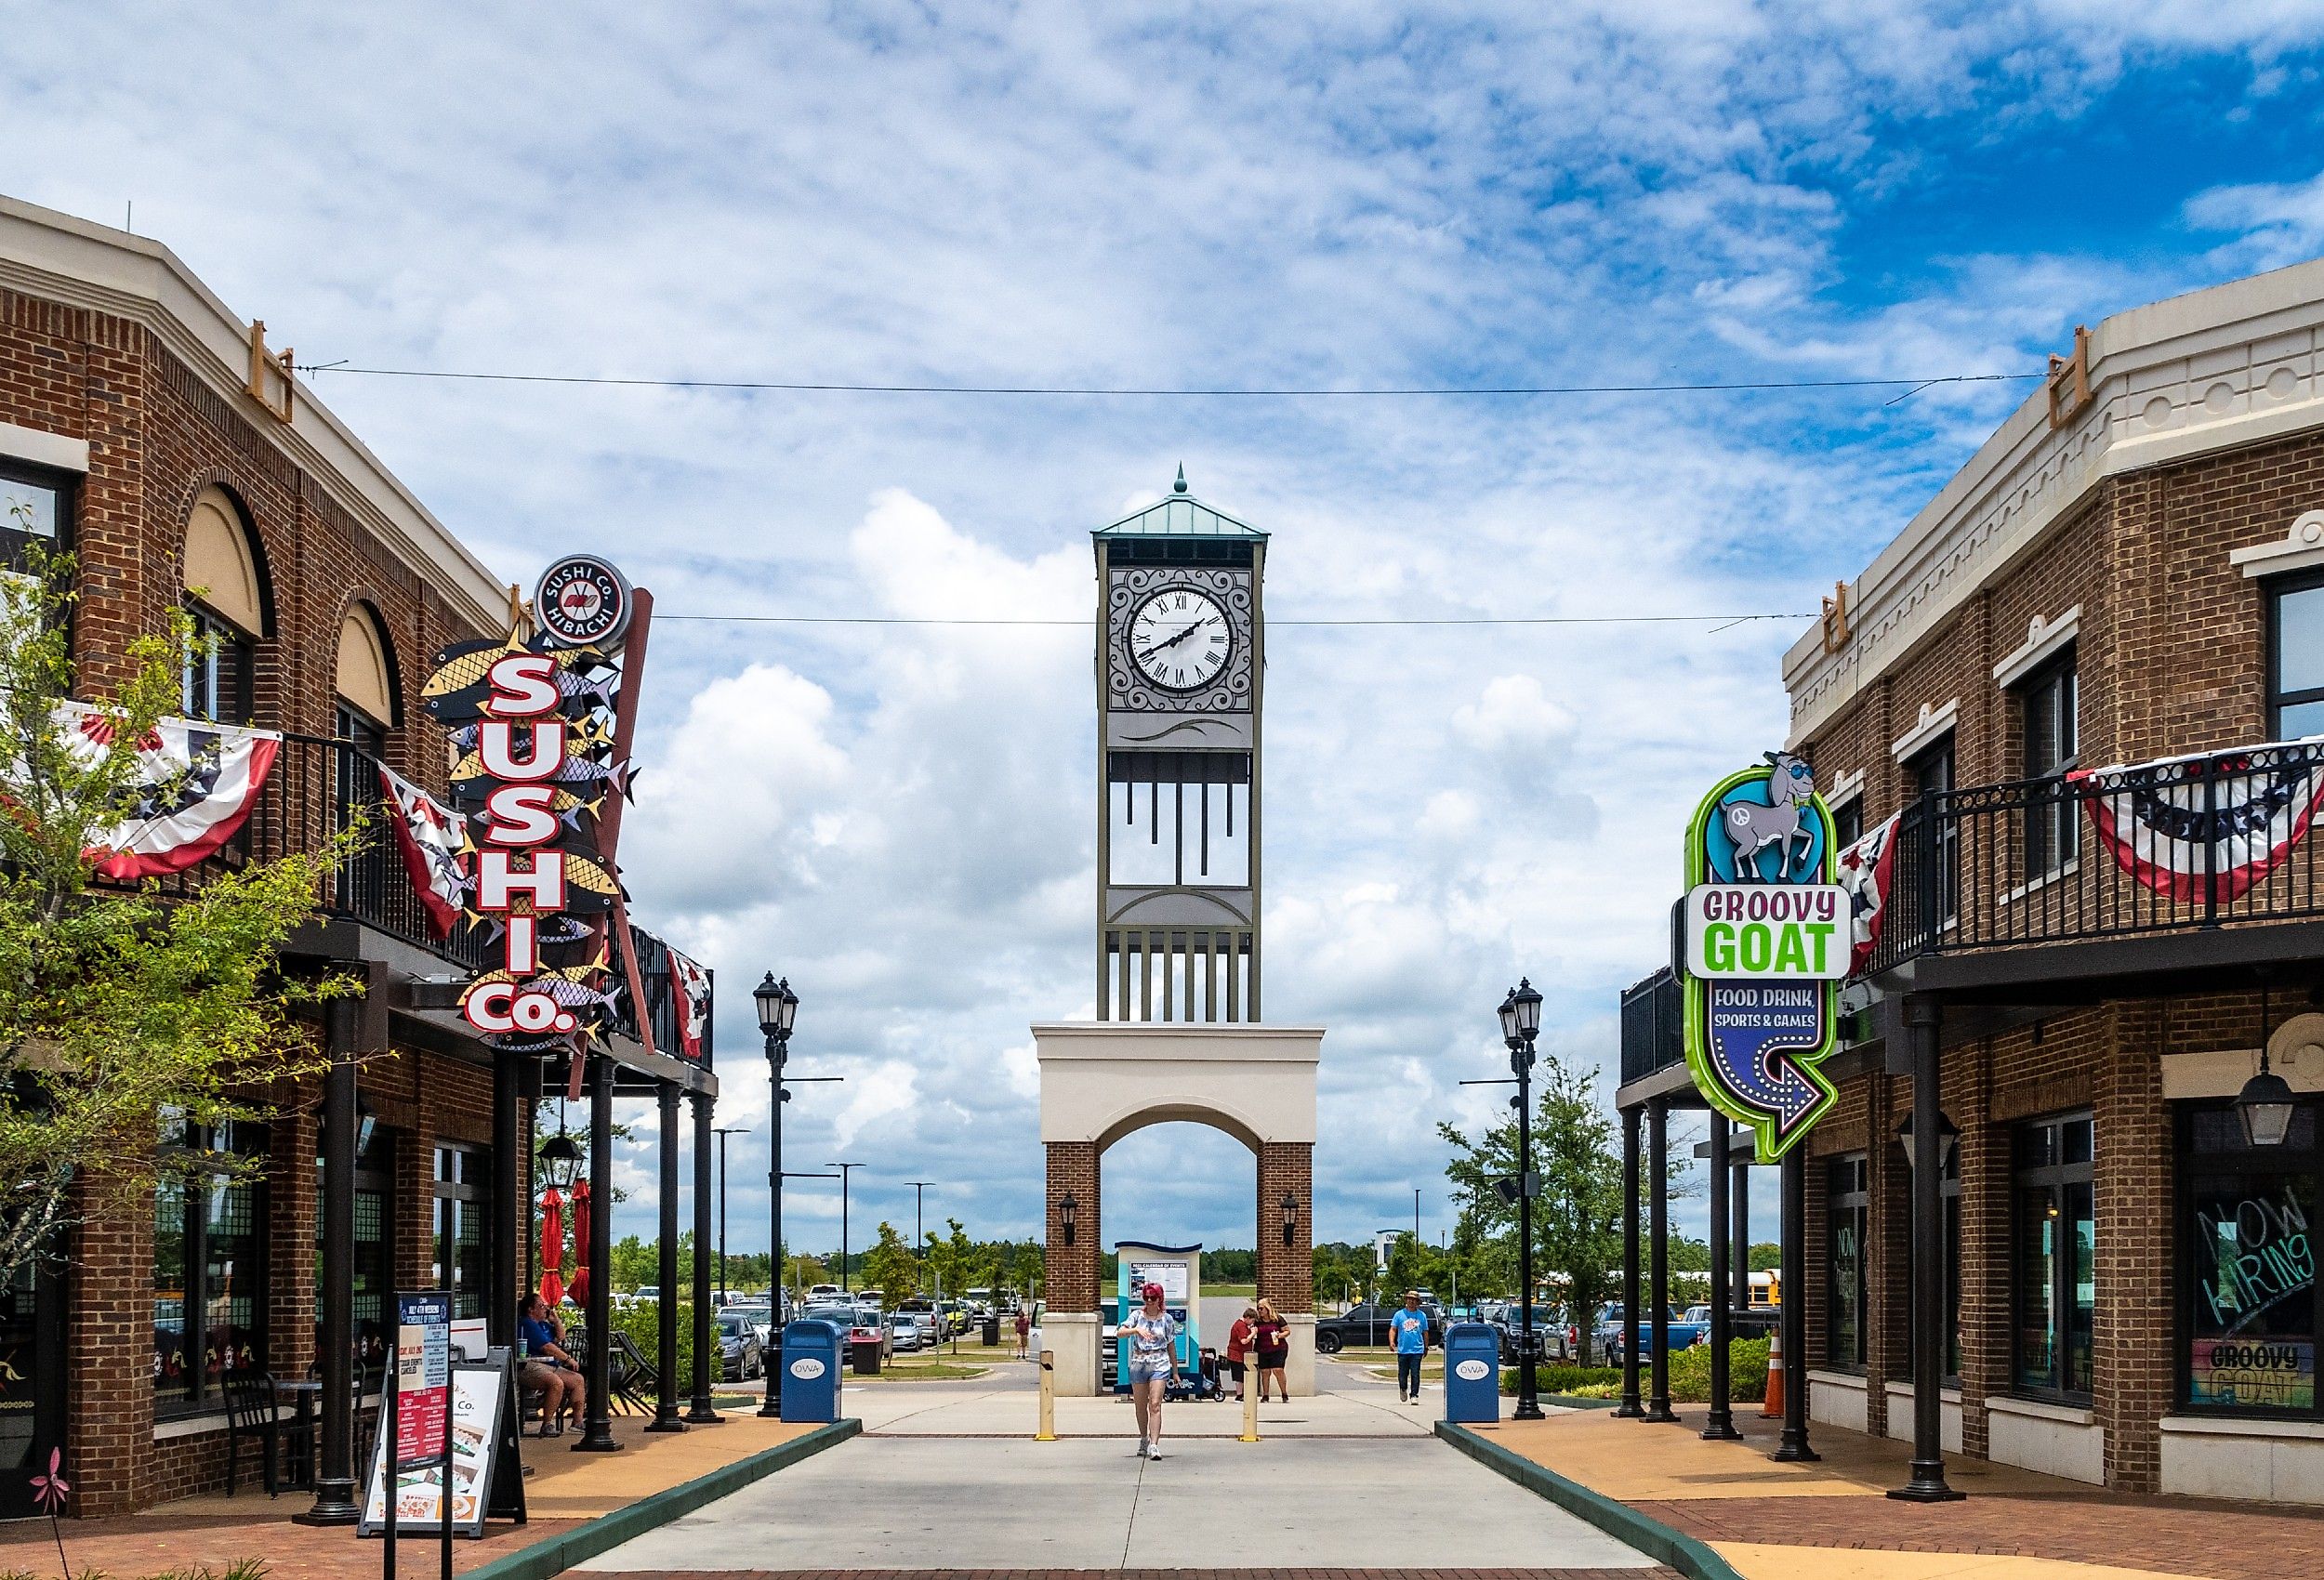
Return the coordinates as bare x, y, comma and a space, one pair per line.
1250, 1402
1049, 1397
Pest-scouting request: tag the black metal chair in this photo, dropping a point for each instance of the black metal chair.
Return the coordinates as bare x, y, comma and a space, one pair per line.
634, 1378
250, 1414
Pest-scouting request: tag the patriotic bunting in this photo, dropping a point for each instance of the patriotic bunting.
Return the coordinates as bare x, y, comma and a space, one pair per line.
434, 846
196, 785
1863, 870
2171, 822
690, 982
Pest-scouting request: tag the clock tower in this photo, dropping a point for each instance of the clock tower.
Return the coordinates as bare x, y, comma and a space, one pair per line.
1181, 666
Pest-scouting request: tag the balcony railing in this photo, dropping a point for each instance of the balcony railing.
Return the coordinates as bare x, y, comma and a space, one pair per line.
2205, 841
316, 788
1651, 1028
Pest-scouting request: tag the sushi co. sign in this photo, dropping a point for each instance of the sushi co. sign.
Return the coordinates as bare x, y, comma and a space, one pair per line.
1766, 941
539, 734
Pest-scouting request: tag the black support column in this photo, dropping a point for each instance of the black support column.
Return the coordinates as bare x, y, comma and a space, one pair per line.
666, 1319
1629, 1405
703, 1414
1722, 1421
1739, 1212
1794, 1309
1659, 1248
1921, 1018
509, 1180
597, 1427
334, 1479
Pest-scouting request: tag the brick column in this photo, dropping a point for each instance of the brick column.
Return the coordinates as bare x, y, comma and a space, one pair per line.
2131, 1198
108, 1352
292, 1182
1286, 1273
1070, 1272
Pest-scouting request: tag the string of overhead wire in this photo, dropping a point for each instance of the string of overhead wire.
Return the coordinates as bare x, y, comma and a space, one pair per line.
1720, 621
1911, 386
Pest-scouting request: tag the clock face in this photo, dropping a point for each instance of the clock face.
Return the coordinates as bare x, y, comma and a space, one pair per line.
1180, 639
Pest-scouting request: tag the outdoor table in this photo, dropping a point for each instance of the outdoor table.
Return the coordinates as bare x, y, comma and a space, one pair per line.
306, 1392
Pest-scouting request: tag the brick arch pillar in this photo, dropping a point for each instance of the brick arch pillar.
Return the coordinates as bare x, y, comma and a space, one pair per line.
1286, 1273
1069, 1274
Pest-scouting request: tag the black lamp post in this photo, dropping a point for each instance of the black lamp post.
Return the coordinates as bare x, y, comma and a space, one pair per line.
1521, 1023
560, 1162
2265, 1106
778, 1012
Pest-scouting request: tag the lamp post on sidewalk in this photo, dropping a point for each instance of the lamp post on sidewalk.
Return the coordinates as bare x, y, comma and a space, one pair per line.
1521, 1022
778, 1012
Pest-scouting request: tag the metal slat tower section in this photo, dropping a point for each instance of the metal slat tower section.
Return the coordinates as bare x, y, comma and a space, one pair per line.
1180, 672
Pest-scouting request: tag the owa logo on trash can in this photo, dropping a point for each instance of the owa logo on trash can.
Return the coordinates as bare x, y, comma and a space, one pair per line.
807, 1368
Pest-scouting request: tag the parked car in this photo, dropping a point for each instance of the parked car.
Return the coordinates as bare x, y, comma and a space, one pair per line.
869, 1328
1367, 1324
741, 1357
1549, 1329
1608, 1338
761, 1319
905, 1332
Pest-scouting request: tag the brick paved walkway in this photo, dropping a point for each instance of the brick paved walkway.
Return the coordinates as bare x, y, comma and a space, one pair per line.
1790, 1520
217, 1532
1656, 1574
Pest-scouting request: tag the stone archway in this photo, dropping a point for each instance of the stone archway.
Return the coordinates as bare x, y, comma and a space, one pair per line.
1103, 1080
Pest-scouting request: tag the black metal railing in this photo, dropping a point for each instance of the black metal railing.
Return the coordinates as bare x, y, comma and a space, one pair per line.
1651, 1026
317, 788
663, 1010
2200, 841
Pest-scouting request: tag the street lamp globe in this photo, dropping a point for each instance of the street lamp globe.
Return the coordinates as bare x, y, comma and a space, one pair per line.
2265, 1106
1509, 1018
560, 1162
1527, 1005
778, 1006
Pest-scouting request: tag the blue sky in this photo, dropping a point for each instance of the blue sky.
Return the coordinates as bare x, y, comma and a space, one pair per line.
900, 818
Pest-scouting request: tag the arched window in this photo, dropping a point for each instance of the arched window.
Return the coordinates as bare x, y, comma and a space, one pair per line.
225, 584
364, 690
365, 681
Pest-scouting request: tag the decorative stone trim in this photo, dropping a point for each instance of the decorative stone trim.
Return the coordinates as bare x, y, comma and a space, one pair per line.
2044, 640
1932, 722
40, 448
2040, 1410
1844, 789
2240, 1427
2301, 548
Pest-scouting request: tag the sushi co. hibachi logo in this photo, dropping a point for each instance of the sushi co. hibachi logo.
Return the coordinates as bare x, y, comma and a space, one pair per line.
536, 733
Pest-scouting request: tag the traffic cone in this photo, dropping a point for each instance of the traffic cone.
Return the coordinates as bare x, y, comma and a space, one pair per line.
1773, 1406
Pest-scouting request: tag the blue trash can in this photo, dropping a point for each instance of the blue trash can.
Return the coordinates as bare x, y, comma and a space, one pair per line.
1472, 1373
810, 1370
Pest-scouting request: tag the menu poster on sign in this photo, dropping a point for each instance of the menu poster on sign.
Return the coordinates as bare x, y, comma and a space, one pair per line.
477, 1441
423, 1377
1171, 1276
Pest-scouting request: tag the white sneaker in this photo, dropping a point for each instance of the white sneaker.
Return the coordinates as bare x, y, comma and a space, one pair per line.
1155, 1451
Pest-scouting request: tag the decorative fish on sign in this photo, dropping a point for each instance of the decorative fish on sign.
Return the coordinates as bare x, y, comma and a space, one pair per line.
573, 771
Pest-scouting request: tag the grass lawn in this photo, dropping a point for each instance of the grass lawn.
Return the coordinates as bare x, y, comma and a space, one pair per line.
905, 1368
1232, 1291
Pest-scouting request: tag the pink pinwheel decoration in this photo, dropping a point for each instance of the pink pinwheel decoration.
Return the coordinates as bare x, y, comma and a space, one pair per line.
50, 1490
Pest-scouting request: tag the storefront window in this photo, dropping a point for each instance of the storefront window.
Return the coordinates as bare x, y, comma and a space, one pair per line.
209, 1264
374, 1179
1844, 1324
463, 1202
2249, 1311
2053, 1247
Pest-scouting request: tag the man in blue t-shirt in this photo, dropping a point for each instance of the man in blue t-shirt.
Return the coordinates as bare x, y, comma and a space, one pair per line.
1407, 1330
548, 1366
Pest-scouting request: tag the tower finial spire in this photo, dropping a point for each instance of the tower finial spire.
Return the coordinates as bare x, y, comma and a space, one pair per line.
1179, 486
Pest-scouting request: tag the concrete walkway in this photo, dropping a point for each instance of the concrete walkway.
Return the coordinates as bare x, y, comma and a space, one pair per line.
947, 1477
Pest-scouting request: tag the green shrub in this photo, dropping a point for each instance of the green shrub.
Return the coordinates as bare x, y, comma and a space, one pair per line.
642, 1323
1690, 1376
1561, 1378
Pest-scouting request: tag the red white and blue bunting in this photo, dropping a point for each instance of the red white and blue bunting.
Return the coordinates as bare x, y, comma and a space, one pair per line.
196, 785
690, 982
433, 841
1863, 870
2171, 821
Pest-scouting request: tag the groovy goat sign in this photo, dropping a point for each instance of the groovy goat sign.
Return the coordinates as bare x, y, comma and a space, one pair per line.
1766, 941
539, 733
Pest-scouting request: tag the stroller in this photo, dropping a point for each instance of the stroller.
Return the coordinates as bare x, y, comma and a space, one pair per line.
1198, 1382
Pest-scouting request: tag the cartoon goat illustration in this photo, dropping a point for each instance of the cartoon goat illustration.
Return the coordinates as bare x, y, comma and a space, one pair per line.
1753, 827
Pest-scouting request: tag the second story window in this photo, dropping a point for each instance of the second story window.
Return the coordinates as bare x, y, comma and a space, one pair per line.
1930, 771
2295, 654
35, 507
2047, 704
218, 667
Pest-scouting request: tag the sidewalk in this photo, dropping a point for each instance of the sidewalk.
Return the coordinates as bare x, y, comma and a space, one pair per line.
217, 1531
1832, 1520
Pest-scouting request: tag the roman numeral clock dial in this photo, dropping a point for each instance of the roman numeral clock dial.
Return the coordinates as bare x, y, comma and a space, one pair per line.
1180, 639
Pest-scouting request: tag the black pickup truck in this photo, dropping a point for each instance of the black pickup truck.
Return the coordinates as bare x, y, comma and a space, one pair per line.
1367, 1325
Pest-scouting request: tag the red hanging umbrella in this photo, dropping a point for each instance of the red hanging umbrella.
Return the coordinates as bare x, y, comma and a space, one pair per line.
553, 1245
579, 1289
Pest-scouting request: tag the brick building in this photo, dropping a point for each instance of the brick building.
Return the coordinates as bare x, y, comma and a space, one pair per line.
2130, 570
146, 429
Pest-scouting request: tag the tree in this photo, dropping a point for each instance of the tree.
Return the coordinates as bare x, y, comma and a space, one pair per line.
121, 1014
890, 1266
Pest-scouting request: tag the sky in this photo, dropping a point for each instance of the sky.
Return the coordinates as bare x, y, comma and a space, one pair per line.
901, 818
